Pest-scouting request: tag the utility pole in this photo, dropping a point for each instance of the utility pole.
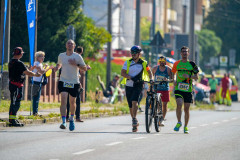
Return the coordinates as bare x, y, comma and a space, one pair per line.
165, 16
153, 49
109, 44
191, 31
137, 32
184, 18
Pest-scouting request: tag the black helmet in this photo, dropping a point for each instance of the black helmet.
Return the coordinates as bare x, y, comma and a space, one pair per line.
136, 49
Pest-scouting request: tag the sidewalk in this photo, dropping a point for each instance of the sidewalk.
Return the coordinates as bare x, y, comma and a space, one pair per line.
45, 112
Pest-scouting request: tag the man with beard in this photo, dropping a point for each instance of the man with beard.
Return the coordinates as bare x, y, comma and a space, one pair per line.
185, 71
164, 74
135, 71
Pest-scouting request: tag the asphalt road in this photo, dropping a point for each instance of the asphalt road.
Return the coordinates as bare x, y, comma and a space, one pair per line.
213, 135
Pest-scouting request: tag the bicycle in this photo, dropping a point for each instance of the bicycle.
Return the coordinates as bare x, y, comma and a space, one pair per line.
153, 102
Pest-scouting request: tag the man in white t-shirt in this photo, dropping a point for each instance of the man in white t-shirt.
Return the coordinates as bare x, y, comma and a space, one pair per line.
69, 83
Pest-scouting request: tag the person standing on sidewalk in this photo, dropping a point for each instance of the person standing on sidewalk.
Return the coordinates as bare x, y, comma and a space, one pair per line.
69, 83
162, 73
213, 82
17, 71
135, 71
37, 81
79, 50
224, 87
185, 71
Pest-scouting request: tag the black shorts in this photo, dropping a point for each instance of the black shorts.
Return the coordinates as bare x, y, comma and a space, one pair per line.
186, 96
212, 91
132, 94
72, 91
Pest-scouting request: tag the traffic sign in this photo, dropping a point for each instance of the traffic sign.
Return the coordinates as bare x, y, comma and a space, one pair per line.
145, 43
223, 61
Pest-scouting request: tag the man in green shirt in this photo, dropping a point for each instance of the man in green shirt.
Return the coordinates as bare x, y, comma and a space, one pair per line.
185, 72
213, 82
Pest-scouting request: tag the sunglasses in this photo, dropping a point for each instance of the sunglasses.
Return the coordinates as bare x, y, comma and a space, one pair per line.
134, 52
161, 60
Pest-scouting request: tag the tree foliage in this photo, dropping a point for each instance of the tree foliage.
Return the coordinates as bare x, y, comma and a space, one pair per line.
145, 28
223, 19
53, 19
210, 45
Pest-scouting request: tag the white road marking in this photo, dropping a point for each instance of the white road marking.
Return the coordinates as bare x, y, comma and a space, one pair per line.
114, 143
192, 127
139, 138
225, 120
202, 125
234, 118
53, 159
215, 123
157, 134
85, 151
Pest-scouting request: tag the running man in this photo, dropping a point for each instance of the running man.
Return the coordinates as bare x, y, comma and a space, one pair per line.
185, 71
162, 72
69, 83
135, 71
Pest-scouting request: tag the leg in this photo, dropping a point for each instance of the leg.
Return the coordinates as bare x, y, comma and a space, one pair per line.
179, 108
68, 107
36, 99
186, 111
134, 109
78, 103
164, 109
72, 101
63, 110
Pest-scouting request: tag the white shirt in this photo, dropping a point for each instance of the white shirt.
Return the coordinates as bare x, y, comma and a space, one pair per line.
230, 83
134, 69
38, 64
70, 73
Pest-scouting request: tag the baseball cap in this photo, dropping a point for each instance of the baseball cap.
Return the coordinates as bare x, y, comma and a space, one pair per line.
17, 51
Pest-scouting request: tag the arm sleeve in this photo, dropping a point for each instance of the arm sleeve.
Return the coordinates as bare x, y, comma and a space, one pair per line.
80, 61
174, 69
125, 65
22, 67
195, 67
59, 60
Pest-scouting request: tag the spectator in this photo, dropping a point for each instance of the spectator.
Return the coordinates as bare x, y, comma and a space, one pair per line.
204, 80
224, 88
37, 81
17, 71
213, 82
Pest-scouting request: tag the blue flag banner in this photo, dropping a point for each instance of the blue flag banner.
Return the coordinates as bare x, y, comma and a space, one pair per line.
31, 14
4, 24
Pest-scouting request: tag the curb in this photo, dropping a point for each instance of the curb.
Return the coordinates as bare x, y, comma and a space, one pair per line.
58, 119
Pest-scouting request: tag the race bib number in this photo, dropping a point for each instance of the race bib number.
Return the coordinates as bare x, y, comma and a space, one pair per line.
183, 86
68, 85
159, 78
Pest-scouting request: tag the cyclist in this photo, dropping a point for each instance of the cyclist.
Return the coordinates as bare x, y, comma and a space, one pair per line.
135, 71
185, 71
162, 72
69, 83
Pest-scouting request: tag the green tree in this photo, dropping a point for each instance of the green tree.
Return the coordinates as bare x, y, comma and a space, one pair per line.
53, 19
145, 28
223, 19
210, 45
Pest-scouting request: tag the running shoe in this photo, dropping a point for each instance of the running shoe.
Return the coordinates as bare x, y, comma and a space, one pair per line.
186, 130
177, 127
135, 122
63, 126
71, 125
135, 129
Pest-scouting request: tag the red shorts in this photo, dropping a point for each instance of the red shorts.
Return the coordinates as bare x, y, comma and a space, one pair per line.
165, 95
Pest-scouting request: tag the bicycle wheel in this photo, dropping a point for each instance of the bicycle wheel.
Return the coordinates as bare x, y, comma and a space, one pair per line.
148, 114
157, 117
